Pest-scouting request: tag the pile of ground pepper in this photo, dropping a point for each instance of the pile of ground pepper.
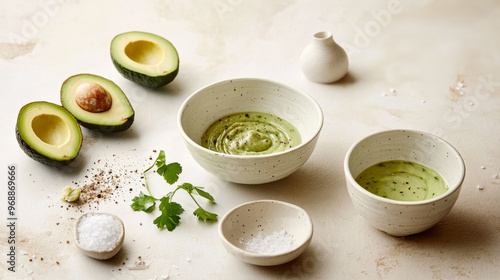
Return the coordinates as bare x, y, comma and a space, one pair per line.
110, 179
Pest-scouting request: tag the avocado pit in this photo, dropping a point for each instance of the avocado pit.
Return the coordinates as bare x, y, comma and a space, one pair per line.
97, 103
92, 97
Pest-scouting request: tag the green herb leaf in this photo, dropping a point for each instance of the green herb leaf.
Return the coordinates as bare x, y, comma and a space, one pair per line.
170, 212
170, 172
161, 159
187, 187
201, 213
197, 190
204, 194
205, 215
144, 203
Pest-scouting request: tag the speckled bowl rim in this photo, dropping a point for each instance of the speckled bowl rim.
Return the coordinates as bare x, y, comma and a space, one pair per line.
245, 157
450, 191
308, 221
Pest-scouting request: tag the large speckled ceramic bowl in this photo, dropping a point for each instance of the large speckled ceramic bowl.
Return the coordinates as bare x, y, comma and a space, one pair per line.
401, 218
214, 101
241, 225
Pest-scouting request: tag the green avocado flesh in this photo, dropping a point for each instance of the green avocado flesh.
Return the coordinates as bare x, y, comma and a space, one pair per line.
48, 133
118, 117
145, 58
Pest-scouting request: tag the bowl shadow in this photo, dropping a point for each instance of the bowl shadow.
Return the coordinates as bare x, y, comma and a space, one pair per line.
306, 266
464, 233
304, 185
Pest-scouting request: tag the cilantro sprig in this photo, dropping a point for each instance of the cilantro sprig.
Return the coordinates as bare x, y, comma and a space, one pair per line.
170, 210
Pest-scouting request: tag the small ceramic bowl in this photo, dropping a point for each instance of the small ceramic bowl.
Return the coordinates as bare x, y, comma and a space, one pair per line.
214, 101
244, 223
401, 218
96, 254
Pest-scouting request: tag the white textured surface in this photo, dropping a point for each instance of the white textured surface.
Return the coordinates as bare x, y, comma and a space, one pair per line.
424, 51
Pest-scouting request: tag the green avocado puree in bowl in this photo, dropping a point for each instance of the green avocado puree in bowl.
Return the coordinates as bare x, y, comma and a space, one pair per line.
250, 133
402, 180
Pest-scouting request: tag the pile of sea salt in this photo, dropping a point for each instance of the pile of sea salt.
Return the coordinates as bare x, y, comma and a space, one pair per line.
275, 243
99, 232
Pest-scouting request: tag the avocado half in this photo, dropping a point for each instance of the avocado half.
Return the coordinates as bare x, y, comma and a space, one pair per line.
48, 133
145, 58
118, 117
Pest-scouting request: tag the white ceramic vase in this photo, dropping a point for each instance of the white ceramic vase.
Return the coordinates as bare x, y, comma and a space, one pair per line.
323, 60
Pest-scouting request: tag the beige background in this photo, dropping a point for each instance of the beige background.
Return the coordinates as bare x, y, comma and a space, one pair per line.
424, 50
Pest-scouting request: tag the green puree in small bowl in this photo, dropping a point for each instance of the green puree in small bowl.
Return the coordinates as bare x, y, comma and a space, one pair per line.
250, 133
402, 180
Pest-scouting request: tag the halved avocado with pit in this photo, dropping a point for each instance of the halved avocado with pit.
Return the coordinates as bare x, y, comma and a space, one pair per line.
48, 133
97, 103
145, 58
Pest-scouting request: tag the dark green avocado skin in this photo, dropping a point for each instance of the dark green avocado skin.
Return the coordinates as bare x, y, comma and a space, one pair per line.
153, 82
108, 128
39, 157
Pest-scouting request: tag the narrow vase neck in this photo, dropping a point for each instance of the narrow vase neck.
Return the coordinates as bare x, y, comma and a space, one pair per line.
324, 37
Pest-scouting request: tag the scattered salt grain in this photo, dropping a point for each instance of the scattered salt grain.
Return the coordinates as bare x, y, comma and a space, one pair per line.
139, 265
99, 232
479, 187
383, 94
422, 101
483, 167
462, 93
392, 90
275, 243
495, 176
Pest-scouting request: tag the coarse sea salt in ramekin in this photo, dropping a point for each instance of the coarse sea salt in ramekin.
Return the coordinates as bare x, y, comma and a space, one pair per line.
99, 232
275, 243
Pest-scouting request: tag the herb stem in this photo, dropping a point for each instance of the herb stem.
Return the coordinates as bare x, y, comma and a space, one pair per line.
172, 193
194, 200
144, 175
170, 210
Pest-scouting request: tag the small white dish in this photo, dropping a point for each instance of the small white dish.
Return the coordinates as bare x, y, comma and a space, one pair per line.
100, 254
244, 222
